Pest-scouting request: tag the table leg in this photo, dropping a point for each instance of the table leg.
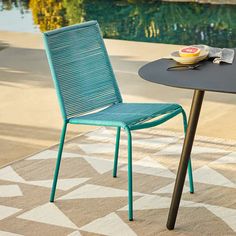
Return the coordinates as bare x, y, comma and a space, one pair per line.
186, 151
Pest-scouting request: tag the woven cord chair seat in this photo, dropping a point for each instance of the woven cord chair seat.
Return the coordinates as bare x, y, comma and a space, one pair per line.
126, 114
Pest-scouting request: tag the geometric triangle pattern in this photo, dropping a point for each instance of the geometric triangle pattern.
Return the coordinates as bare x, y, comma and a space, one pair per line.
101, 134
62, 184
100, 165
10, 191
155, 142
52, 154
110, 225
170, 188
150, 162
75, 233
6, 211
89, 201
207, 175
227, 159
149, 202
96, 148
105, 134
9, 174
96, 191
150, 166
226, 214
48, 213
174, 149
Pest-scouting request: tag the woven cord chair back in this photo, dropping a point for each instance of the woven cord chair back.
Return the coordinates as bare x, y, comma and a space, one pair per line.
81, 69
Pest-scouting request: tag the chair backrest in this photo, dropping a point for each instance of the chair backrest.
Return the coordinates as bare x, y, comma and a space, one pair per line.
81, 69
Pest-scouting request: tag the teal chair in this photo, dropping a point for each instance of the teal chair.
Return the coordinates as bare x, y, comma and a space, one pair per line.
89, 95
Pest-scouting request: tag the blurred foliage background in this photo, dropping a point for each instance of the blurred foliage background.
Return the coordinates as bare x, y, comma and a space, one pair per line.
139, 20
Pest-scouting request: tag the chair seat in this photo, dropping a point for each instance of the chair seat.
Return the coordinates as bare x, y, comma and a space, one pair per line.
126, 114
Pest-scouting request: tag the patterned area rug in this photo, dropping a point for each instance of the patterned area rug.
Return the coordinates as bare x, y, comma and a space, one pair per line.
89, 201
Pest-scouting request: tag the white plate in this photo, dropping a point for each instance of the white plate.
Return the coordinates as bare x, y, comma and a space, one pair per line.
189, 60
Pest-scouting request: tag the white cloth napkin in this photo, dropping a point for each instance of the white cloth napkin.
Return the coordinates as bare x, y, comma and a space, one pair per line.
225, 55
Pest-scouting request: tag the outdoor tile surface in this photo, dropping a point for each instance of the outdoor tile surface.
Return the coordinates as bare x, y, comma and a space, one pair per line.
89, 201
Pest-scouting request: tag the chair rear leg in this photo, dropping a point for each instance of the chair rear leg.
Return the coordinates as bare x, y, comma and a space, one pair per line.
190, 173
116, 152
54, 185
130, 181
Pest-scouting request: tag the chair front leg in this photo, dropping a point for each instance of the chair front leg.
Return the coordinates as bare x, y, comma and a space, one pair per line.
116, 152
62, 139
130, 181
190, 173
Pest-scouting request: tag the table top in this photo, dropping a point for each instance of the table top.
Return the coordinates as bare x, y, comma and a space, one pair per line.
208, 77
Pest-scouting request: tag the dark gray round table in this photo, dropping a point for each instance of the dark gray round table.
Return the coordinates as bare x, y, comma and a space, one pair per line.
208, 77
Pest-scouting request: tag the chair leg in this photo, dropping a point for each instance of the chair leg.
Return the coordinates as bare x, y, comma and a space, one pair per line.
190, 173
130, 181
54, 185
116, 152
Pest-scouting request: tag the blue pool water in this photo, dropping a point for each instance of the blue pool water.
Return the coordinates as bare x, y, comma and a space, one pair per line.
136, 20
